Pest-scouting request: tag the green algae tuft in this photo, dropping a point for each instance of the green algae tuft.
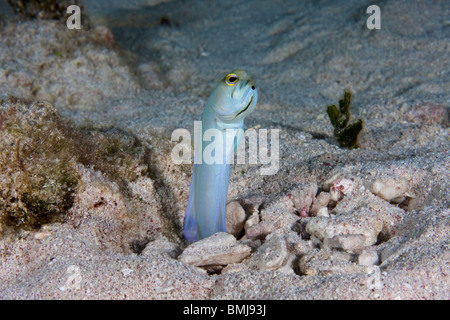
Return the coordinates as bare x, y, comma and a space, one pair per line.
39, 152
347, 135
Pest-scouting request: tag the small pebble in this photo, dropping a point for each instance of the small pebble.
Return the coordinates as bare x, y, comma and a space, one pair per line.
219, 249
303, 196
352, 243
126, 271
260, 230
323, 212
325, 262
361, 221
271, 255
368, 257
390, 188
235, 218
340, 188
161, 245
319, 202
42, 235
252, 220
296, 245
327, 184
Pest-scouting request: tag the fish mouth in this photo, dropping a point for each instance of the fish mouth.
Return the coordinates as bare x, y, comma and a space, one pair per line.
243, 110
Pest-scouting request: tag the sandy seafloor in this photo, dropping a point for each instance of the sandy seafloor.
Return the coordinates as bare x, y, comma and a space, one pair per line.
145, 68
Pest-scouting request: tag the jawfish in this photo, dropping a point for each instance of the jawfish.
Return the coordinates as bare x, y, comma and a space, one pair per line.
233, 99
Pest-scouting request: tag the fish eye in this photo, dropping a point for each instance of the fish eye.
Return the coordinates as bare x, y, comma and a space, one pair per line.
231, 79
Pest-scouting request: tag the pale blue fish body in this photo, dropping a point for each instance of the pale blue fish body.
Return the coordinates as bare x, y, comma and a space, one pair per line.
230, 102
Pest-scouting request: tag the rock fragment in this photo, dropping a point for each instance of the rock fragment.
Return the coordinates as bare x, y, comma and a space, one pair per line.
161, 246
319, 202
303, 196
296, 245
362, 221
235, 218
260, 230
271, 255
252, 220
338, 173
368, 257
219, 249
352, 243
323, 212
392, 189
328, 262
340, 188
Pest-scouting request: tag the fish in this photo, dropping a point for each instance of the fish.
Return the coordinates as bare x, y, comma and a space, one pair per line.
231, 101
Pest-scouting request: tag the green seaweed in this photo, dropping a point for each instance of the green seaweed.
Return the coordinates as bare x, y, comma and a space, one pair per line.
347, 135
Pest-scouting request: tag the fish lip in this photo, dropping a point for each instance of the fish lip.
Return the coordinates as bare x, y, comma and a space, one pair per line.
248, 105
